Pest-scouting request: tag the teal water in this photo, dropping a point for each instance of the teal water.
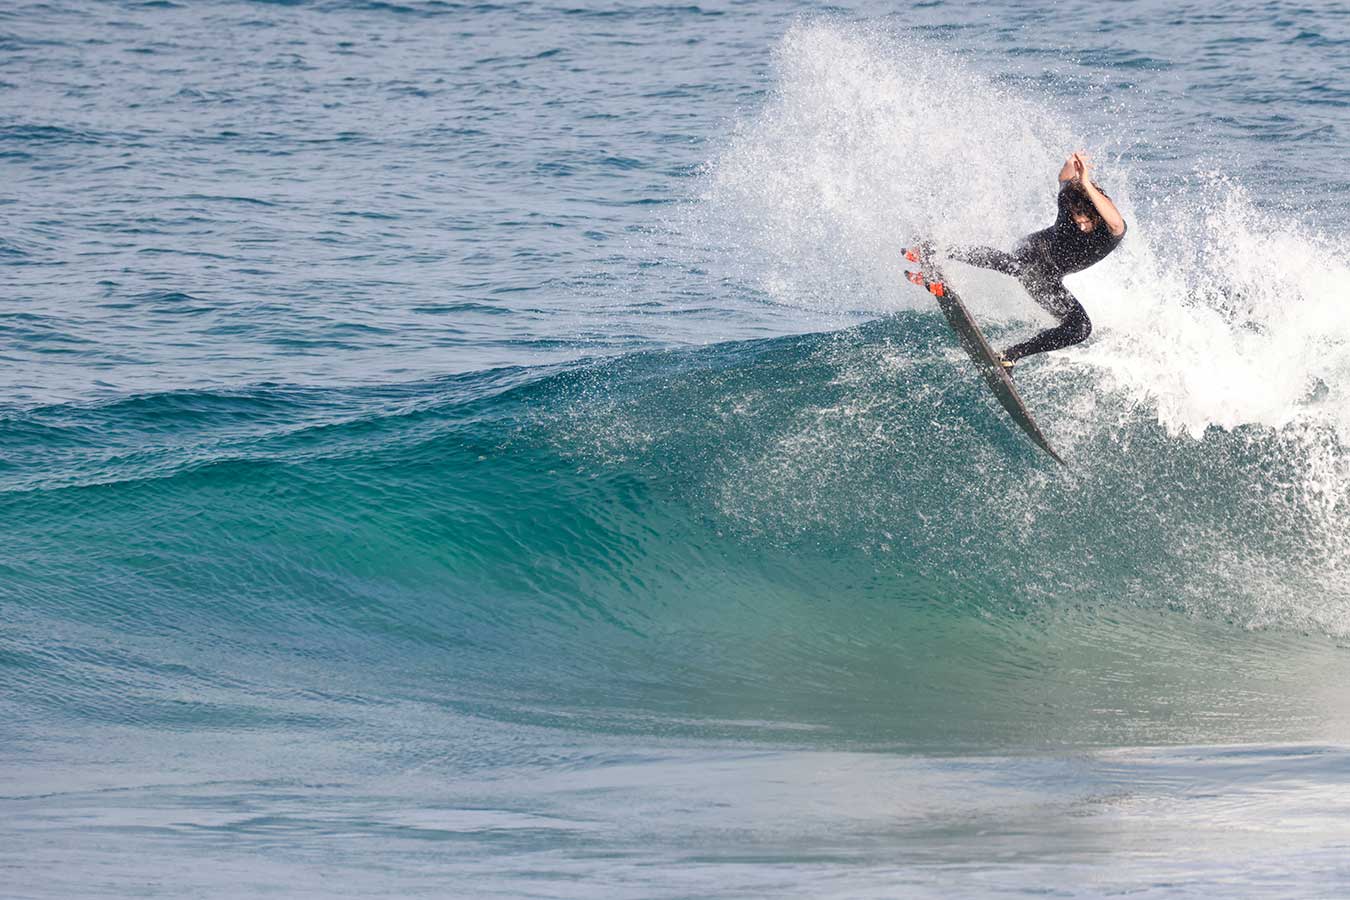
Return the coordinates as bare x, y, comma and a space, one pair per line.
487, 450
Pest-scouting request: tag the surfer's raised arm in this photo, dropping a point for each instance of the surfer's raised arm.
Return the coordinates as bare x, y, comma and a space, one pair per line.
1076, 169
1115, 222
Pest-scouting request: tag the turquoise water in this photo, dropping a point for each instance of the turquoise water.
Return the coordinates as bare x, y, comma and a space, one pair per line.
489, 450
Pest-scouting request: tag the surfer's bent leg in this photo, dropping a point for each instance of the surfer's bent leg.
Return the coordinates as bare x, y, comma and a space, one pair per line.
987, 258
1074, 325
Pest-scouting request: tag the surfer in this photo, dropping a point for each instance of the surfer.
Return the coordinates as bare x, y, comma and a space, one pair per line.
1087, 228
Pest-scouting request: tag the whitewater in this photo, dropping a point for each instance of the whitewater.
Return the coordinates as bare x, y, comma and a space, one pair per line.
491, 451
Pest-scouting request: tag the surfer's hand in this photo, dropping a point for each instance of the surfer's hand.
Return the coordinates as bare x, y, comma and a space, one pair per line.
1080, 167
1075, 168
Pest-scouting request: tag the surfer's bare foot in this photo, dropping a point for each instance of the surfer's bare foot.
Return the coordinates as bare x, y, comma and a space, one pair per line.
1006, 363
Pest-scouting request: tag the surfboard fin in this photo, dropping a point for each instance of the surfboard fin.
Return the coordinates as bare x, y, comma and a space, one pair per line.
936, 288
920, 253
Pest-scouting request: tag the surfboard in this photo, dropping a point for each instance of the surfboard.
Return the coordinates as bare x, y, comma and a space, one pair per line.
986, 360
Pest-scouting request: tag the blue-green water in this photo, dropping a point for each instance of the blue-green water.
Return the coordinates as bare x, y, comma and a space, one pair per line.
486, 450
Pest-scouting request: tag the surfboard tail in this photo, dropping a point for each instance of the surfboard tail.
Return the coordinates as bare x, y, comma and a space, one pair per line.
936, 288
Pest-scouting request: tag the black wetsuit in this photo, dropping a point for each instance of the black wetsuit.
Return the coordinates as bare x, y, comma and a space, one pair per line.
1040, 261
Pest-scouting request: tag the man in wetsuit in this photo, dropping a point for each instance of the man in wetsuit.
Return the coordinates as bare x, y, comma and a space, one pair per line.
1087, 228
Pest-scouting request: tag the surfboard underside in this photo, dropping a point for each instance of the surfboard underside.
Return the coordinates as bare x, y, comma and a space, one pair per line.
986, 360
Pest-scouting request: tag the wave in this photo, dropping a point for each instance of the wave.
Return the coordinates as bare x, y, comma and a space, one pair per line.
834, 533
832, 536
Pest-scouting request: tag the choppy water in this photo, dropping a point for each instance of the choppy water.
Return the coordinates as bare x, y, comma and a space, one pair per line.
488, 450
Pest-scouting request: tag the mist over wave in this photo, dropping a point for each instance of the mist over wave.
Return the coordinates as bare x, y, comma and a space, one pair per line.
1212, 313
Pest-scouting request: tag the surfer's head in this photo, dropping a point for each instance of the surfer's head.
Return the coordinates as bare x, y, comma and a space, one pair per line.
1081, 209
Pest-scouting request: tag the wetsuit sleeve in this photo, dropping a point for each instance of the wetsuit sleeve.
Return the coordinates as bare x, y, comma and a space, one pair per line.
987, 258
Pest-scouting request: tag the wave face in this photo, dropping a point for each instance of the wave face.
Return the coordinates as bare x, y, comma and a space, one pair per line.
833, 536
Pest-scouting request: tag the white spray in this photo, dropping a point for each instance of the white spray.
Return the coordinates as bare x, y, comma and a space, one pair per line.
1213, 315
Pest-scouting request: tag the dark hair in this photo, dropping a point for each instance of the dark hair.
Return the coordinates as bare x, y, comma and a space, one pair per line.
1076, 199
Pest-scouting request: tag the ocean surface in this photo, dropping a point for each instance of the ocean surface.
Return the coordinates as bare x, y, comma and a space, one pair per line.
489, 450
